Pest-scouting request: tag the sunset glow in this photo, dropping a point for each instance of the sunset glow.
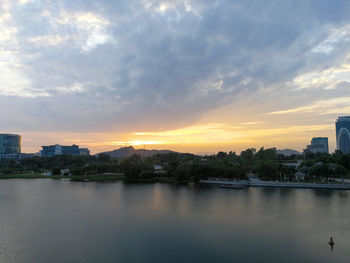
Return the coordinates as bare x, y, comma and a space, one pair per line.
174, 131
137, 143
183, 78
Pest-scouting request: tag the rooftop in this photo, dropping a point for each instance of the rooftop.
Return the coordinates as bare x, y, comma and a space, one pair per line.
343, 118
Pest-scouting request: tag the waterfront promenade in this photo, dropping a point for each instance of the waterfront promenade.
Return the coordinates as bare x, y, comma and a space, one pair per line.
259, 183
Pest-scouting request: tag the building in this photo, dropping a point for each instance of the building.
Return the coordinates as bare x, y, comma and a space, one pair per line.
318, 145
342, 127
10, 146
84, 151
52, 150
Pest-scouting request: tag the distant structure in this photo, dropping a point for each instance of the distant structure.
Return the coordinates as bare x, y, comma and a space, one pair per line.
52, 150
288, 152
318, 145
10, 146
342, 127
84, 151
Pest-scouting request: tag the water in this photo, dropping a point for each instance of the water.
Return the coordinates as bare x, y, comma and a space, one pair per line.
61, 221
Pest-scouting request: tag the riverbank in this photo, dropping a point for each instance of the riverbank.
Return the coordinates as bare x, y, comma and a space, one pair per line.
76, 178
111, 177
259, 183
119, 177
26, 176
108, 177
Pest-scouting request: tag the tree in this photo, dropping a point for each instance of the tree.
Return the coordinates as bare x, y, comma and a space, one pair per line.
56, 171
139, 171
248, 154
286, 171
319, 170
183, 172
221, 155
341, 171
268, 154
103, 158
267, 170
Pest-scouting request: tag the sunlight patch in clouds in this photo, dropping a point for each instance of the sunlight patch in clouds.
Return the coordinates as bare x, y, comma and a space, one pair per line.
251, 123
137, 143
75, 88
195, 134
335, 37
14, 83
195, 130
324, 79
321, 106
49, 40
316, 80
22, 2
90, 30
7, 33
162, 6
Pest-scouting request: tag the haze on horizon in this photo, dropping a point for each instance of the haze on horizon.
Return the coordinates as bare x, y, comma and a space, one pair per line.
186, 75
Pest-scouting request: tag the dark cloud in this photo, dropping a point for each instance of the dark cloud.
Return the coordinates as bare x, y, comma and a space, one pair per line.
162, 64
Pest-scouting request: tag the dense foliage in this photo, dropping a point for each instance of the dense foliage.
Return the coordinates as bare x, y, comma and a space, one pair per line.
265, 163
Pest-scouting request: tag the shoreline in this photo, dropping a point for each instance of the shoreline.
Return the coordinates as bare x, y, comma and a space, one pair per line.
92, 178
121, 177
259, 183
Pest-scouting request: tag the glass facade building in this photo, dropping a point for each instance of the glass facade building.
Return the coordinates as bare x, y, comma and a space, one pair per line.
10, 144
52, 150
342, 126
318, 145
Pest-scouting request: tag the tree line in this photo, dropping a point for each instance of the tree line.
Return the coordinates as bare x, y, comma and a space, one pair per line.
267, 164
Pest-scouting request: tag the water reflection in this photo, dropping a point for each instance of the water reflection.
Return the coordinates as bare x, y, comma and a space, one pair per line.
47, 221
324, 192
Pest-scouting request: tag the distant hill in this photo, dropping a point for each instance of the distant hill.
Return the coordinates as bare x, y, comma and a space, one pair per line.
288, 152
128, 151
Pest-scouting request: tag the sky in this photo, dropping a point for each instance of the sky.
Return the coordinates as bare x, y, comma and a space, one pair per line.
195, 76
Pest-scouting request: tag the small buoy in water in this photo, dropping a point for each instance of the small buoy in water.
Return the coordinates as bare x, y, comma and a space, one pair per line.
331, 242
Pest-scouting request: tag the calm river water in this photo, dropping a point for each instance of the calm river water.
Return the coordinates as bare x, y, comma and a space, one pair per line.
61, 221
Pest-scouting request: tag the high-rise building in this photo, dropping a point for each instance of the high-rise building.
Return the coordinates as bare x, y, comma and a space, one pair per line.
52, 150
10, 146
318, 145
342, 126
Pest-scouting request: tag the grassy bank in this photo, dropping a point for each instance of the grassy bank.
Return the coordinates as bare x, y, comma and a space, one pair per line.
97, 177
24, 176
92, 178
170, 180
120, 177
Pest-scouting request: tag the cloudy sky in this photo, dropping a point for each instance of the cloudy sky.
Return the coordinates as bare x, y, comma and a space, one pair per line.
188, 75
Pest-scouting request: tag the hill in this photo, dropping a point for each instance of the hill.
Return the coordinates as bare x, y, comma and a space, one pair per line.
128, 151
